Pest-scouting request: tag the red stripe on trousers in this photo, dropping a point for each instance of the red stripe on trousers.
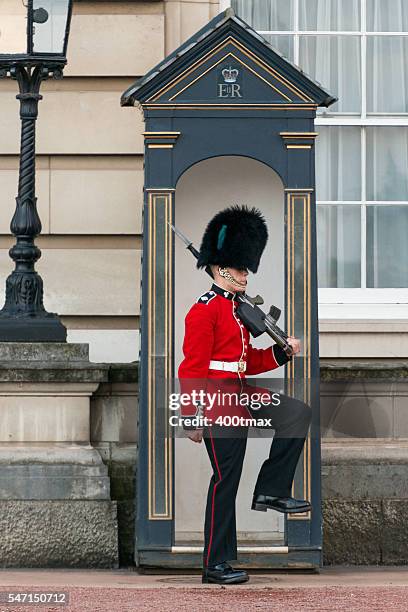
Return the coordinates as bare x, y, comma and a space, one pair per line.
213, 498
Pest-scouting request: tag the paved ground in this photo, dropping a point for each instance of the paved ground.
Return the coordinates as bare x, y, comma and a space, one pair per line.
351, 589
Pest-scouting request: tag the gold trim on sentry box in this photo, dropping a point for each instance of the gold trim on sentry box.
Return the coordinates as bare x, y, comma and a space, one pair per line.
295, 189
289, 287
216, 64
241, 549
257, 60
160, 134
160, 146
168, 441
290, 146
299, 134
236, 106
304, 196
170, 306
149, 361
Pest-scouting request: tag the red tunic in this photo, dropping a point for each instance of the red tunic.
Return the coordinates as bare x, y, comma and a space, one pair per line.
213, 331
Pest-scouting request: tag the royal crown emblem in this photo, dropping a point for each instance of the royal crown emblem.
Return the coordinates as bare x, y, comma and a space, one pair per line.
230, 74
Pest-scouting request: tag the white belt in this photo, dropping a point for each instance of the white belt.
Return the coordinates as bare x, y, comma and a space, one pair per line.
228, 366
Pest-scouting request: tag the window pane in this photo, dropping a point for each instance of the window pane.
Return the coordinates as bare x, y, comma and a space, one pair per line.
338, 163
334, 61
387, 163
329, 14
387, 15
265, 14
338, 245
283, 44
387, 74
387, 246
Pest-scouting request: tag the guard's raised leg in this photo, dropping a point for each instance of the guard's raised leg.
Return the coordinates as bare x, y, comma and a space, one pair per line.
291, 420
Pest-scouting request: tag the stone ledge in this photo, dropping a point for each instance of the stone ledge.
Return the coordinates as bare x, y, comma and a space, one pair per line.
362, 470
365, 452
365, 532
377, 326
123, 372
44, 371
59, 362
49, 453
52, 534
52, 472
44, 352
54, 483
346, 369
330, 369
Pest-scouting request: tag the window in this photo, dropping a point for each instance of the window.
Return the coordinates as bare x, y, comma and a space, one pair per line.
357, 49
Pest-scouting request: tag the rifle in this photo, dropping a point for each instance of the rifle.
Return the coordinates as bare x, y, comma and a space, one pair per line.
253, 317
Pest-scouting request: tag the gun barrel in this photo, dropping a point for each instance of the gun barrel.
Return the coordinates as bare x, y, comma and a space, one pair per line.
278, 335
180, 234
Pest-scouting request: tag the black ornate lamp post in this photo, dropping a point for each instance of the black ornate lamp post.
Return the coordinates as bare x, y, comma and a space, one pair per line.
38, 32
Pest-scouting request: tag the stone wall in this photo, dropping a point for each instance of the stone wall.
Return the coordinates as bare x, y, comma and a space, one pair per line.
114, 434
364, 462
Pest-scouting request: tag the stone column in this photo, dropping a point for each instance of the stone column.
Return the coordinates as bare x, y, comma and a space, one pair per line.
55, 506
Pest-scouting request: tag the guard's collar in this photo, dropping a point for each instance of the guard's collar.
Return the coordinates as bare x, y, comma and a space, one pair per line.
227, 294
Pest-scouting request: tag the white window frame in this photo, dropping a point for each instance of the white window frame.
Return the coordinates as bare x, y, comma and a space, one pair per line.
362, 302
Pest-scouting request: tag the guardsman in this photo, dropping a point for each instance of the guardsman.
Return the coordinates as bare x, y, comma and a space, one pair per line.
217, 357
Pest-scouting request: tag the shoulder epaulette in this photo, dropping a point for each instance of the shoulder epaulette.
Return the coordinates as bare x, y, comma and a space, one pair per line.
206, 298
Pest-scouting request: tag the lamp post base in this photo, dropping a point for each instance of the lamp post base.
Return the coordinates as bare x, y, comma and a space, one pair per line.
32, 329
23, 317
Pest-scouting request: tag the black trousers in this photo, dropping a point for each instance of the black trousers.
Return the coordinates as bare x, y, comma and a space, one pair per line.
226, 450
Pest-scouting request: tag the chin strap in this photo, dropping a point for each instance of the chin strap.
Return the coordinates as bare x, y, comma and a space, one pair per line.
225, 273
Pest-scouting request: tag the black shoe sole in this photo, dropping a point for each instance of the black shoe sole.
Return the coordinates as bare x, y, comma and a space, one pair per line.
265, 507
208, 579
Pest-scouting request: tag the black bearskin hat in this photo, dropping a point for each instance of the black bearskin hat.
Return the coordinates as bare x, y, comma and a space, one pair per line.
235, 237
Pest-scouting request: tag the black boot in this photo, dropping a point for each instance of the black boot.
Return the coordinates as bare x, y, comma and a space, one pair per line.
287, 505
223, 573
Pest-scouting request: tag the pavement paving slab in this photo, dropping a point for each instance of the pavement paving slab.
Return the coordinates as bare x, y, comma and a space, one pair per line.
355, 589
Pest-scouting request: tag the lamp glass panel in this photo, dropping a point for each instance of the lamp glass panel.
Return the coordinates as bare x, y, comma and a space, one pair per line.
49, 36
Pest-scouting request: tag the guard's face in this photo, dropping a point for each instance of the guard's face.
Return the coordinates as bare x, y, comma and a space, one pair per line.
239, 274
